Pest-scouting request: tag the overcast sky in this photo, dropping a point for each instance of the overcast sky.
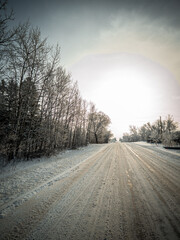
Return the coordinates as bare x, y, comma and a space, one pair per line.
124, 54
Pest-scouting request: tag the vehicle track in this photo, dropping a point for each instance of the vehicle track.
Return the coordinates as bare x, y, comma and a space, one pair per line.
122, 192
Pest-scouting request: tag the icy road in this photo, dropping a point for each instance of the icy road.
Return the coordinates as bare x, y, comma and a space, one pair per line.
114, 191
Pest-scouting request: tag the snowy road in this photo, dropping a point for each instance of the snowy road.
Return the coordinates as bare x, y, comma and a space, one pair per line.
115, 191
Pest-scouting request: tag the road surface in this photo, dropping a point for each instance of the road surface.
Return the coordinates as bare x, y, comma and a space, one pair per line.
124, 191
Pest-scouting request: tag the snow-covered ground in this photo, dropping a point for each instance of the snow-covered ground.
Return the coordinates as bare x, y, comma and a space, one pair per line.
110, 191
157, 147
121, 191
20, 181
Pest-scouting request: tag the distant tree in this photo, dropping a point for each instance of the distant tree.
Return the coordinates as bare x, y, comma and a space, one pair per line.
145, 132
170, 124
176, 137
159, 131
134, 133
126, 137
113, 140
98, 123
107, 136
170, 127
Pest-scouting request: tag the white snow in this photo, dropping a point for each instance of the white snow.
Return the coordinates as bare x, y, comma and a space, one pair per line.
20, 181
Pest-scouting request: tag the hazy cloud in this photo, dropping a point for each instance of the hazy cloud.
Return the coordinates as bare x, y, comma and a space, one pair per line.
80, 26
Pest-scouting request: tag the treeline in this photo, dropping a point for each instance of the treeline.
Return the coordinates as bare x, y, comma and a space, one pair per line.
41, 108
161, 131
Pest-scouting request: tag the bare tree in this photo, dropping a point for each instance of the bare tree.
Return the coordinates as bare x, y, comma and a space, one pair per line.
7, 34
5, 16
170, 127
134, 133
98, 123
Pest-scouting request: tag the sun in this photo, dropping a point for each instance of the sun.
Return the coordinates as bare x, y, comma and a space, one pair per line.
130, 90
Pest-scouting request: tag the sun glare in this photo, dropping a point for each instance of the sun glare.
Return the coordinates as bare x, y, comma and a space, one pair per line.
131, 91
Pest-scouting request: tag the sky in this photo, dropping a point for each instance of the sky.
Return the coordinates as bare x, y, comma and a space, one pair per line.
125, 55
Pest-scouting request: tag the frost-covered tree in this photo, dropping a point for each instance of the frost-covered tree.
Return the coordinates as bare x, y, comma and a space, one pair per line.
157, 132
41, 108
98, 126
